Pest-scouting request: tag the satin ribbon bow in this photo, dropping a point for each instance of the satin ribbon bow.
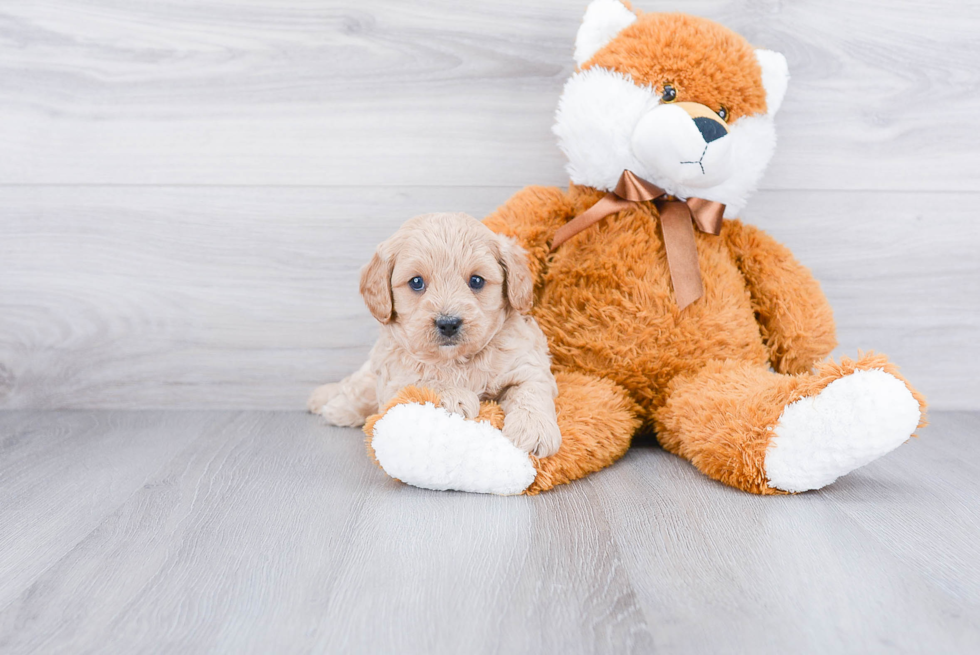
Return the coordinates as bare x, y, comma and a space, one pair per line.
677, 221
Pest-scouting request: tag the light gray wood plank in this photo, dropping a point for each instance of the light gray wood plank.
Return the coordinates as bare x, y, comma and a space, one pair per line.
214, 554
940, 469
269, 532
813, 573
446, 93
62, 474
273, 533
485, 574
247, 298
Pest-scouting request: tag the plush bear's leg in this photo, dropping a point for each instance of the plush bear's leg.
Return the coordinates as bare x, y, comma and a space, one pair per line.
415, 440
767, 433
596, 417
597, 420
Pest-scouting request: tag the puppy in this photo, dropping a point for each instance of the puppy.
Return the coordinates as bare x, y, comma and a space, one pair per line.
451, 297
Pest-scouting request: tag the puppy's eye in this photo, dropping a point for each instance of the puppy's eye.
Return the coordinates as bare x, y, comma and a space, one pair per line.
723, 114
416, 283
669, 94
476, 282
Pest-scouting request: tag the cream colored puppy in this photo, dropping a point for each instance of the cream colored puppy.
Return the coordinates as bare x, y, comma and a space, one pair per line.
451, 298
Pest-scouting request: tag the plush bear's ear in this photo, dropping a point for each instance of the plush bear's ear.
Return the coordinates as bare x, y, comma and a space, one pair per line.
602, 22
775, 78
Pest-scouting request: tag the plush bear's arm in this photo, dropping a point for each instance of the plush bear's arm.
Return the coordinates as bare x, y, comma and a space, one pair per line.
532, 216
796, 319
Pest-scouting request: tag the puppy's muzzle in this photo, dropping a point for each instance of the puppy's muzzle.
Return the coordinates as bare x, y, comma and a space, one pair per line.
448, 326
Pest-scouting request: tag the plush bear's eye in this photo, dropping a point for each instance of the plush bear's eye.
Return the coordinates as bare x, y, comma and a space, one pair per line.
476, 282
416, 283
669, 94
723, 114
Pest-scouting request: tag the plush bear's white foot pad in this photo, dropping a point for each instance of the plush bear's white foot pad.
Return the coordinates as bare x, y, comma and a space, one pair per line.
426, 446
851, 422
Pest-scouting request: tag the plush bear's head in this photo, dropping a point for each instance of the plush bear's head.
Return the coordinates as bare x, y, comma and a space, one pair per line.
678, 100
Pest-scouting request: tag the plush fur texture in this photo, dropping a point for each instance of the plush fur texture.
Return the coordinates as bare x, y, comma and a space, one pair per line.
496, 352
737, 383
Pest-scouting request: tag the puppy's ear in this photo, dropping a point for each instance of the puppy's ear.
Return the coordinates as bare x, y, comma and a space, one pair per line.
518, 284
376, 286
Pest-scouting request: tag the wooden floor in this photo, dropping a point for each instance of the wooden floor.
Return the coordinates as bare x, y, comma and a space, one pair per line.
261, 532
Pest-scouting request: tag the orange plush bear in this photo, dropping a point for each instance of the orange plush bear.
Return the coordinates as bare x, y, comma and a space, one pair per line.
663, 312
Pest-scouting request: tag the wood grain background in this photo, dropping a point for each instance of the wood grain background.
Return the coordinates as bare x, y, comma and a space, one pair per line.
188, 187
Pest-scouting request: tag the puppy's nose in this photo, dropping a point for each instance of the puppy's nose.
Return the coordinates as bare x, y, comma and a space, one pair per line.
448, 326
710, 129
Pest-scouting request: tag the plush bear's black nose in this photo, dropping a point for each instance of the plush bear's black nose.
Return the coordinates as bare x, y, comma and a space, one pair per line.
710, 129
448, 326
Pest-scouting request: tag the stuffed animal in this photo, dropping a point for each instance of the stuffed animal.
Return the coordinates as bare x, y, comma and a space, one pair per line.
663, 312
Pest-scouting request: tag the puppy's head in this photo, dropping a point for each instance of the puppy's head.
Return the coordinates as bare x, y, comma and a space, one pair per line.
444, 284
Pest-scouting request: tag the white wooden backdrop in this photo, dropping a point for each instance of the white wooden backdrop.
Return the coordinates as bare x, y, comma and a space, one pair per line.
188, 187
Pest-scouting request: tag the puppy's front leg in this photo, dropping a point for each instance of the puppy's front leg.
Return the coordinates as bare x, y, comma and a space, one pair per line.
529, 417
460, 401
349, 402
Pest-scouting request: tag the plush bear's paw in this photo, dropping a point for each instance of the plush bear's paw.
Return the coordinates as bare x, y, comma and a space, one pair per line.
532, 433
425, 446
330, 402
851, 422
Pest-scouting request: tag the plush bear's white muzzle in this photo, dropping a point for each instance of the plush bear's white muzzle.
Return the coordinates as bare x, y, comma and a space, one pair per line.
690, 150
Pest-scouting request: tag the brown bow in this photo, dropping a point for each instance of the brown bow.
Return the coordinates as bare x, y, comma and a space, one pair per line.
677, 220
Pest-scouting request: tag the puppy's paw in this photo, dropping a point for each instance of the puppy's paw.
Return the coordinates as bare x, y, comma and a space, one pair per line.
461, 401
338, 411
321, 396
538, 435
329, 402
